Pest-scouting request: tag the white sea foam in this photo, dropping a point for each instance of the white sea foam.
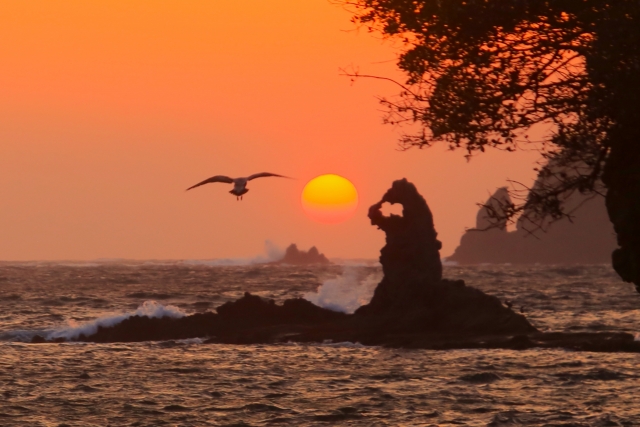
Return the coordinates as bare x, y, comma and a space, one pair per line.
150, 309
343, 344
327, 343
345, 293
272, 252
189, 341
21, 335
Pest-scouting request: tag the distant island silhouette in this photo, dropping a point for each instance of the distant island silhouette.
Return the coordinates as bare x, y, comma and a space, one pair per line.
412, 307
295, 256
588, 238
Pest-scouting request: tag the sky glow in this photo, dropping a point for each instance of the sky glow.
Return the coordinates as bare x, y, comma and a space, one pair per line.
110, 109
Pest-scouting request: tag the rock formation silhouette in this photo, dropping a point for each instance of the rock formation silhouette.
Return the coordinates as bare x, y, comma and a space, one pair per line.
413, 292
496, 202
411, 257
588, 238
413, 307
295, 256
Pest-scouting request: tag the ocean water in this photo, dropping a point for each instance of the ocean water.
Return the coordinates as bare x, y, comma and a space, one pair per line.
188, 383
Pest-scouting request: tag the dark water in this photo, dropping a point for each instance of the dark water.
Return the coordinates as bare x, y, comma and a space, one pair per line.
187, 383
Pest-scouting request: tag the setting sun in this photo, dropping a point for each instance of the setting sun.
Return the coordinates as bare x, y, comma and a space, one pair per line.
329, 199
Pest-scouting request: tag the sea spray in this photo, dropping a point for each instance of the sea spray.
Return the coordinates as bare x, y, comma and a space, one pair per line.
150, 309
272, 252
346, 292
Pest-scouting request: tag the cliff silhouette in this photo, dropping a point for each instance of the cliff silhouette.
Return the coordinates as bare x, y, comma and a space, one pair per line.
586, 238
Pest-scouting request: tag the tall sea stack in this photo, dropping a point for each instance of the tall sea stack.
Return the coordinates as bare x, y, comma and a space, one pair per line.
411, 257
413, 297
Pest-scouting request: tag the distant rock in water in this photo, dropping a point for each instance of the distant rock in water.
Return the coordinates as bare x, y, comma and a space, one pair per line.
295, 256
588, 238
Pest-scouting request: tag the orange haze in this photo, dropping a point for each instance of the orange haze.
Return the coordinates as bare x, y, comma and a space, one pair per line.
109, 110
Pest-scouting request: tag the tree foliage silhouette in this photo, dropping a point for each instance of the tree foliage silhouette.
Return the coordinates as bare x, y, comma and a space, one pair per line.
483, 73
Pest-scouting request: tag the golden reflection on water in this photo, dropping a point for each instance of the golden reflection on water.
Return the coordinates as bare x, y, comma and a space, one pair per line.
198, 384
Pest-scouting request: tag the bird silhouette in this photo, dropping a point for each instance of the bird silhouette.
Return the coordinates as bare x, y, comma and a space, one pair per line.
239, 184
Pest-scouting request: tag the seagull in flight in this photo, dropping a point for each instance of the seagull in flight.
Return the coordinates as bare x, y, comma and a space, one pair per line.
239, 184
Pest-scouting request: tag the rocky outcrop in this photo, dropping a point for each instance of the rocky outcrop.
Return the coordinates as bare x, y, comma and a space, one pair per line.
295, 256
413, 307
250, 319
588, 238
254, 320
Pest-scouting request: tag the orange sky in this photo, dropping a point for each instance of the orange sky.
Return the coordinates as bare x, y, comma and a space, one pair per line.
109, 110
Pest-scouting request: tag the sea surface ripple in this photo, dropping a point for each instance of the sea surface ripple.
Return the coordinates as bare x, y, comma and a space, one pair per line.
187, 383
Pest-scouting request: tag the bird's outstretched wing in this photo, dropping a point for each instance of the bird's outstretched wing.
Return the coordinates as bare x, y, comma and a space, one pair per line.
265, 174
217, 178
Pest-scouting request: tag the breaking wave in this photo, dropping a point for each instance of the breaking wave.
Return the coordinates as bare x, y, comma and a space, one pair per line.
346, 292
150, 309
